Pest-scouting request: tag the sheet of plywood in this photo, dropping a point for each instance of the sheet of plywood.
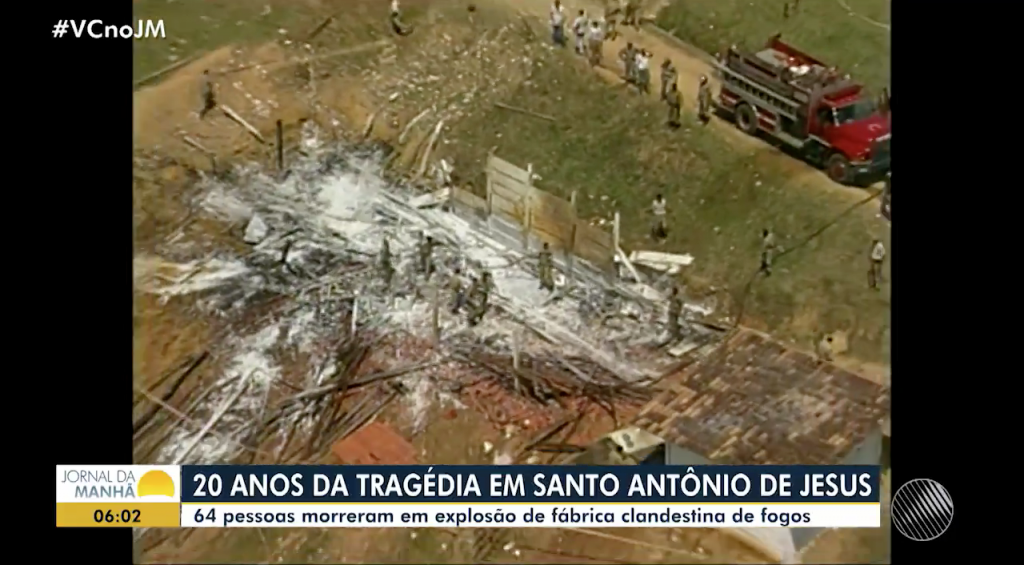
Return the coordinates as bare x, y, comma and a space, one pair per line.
552, 216
470, 200
502, 167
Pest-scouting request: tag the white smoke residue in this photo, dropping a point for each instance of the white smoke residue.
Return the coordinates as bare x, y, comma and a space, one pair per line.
333, 211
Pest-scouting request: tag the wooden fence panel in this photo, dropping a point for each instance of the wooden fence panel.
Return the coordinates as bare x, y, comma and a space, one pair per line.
510, 193
552, 219
508, 190
594, 244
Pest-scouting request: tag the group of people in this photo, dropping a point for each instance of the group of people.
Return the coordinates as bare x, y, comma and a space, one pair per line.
590, 34
473, 298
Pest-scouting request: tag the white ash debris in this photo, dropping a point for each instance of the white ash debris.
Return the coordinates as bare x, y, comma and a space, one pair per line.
325, 224
251, 367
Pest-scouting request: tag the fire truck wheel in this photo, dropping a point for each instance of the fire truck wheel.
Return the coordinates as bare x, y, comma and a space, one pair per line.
746, 119
838, 168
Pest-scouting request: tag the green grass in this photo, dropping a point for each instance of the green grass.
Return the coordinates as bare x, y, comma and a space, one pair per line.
200, 25
823, 28
614, 149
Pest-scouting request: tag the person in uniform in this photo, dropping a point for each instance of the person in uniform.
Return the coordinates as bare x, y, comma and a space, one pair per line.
557, 19
426, 251
628, 57
658, 208
209, 97
675, 104
387, 269
675, 313
629, 17
579, 31
704, 100
668, 77
546, 268
595, 43
643, 71
877, 256
479, 297
768, 248
458, 290
824, 349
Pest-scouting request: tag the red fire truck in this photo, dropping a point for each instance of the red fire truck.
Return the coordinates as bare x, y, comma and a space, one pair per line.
797, 100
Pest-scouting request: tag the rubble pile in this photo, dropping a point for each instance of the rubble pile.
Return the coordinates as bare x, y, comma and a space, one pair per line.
308, 287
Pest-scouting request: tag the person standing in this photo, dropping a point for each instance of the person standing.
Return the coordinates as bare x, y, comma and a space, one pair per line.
824, 349
768, 248
595, 43
877, 257
545, 268
209, 97
557, 17
659, 210
643, 71
668, 77
704, 100
387, 268
579, 31
628, 57
675, 104
675, 313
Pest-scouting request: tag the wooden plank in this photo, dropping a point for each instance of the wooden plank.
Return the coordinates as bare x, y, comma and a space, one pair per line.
595, 236
470, 200
499, 165
509, 190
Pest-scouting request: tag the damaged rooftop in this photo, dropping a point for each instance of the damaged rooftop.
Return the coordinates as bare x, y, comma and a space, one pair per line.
755, 401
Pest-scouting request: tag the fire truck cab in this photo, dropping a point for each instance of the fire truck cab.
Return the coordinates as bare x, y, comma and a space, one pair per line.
797, 100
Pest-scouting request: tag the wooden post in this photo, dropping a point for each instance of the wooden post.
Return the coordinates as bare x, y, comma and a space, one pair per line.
435, 316
570, 246
517, 337
280, 146
615, 242
528, 208
355, 316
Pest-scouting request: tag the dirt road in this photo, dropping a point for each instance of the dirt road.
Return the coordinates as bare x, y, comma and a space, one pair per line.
691, 64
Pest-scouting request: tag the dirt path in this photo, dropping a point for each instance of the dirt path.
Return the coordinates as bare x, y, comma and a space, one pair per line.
691, 64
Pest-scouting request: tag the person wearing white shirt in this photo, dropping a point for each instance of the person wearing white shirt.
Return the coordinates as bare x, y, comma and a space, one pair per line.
595, 42
643, 70
558, 23
877, 257
579, 31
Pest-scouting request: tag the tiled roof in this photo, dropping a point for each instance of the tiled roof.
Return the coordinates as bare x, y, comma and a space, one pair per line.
375, 444
753, 401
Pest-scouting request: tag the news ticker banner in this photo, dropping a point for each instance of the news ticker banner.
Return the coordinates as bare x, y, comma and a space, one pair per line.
458, 496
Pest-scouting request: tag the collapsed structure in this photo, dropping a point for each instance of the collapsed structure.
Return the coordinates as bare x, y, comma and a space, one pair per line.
306, 293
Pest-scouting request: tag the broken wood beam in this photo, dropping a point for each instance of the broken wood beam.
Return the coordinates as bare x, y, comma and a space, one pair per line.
319, 28
629, 264
524, 111
428, 148
408, 126
223, 409
280, 146
189, 369
198, 146
241, 121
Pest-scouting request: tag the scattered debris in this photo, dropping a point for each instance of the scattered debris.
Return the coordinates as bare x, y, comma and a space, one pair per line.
670, 263
256, 231
428, 200
240, 121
